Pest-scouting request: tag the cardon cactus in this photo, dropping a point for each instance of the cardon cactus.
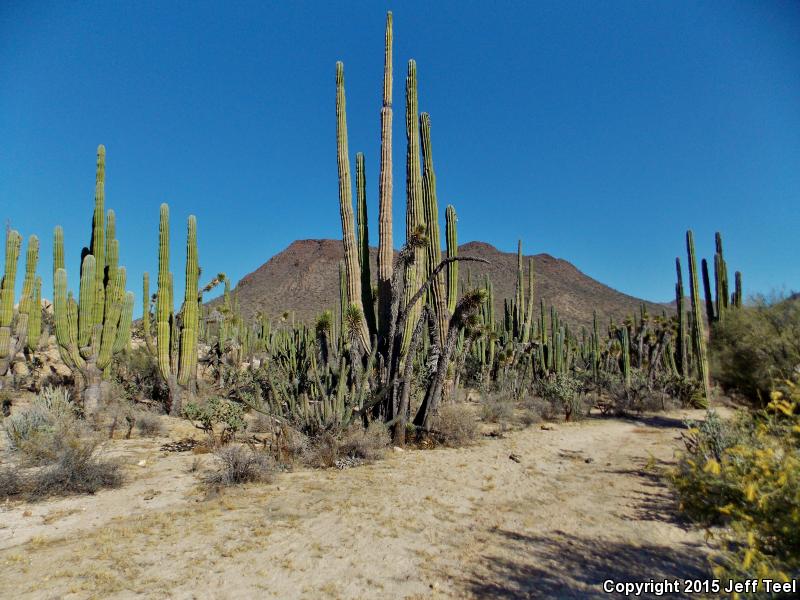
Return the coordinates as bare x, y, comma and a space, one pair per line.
25, 331
698, 333
354, 296
92, 330
385, 247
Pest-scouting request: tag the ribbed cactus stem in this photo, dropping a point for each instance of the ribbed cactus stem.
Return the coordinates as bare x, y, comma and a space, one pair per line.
519, 295
163, 299
346, 208
528, 320
737, 294
680, 346
711, 314
188, 354
86, 300
434, 245
698, 334
98, 242
385, 238
7, 289
626, 357
451, 233
363, 244
415, 219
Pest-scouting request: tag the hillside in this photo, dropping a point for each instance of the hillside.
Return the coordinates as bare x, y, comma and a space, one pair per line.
304, 278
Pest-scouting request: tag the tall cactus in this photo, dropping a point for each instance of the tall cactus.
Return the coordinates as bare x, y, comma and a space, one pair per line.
434, 245
14, 336
680, 346
354, 297
415, 220
177, 334
528, 320
698, 333
385, 243
92, 330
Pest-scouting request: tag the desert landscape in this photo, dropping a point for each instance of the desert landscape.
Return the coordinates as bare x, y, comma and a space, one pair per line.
395, 413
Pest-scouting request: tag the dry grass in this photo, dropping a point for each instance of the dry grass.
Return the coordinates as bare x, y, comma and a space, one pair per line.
239, 464
454, 426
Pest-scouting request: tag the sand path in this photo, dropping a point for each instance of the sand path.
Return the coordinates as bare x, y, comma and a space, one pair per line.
580, 507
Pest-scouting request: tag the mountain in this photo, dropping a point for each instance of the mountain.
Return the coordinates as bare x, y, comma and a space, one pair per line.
304, 278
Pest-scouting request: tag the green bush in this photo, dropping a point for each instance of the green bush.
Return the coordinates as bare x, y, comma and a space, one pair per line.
215, 412
745, 475
756, 349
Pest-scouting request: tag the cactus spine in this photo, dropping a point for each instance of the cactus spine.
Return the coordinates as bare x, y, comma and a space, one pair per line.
385, 243
346, 210
698, 334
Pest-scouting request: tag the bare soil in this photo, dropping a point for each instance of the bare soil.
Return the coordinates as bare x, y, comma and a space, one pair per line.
585, 503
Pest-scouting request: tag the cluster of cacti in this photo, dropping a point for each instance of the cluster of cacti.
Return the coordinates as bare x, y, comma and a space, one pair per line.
98, 326
23, 332
420, 278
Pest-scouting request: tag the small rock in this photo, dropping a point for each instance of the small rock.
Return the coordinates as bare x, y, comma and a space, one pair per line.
588, 460
142, 463
515, 457
398, 449
27, 513
547, 427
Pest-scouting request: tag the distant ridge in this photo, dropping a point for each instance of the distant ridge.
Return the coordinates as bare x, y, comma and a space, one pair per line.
304, 278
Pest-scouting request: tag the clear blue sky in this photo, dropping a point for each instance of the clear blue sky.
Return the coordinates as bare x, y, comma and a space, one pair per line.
595, 131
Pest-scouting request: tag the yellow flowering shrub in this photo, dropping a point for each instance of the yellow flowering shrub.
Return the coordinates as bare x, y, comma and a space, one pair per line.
745, 475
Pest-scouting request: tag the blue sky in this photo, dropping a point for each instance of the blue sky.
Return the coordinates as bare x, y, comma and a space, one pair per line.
597, 132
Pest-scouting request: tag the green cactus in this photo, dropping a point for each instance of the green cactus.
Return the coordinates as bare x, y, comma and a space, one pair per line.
354, 295
16, 335
451, 233
385, 244
91, 331
698, 334
434, 246
367, 300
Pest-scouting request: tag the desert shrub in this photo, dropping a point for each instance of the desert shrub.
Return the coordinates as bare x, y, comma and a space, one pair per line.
241, 464
148, 424
38, 430
75, 470
136, 375
322, 451
757, 348
746, 476
561, 392
10, 484
454, 426
635, 397
496, 408
365, 444
214, 413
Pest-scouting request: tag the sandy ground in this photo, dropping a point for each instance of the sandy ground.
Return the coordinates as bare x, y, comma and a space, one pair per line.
583, 505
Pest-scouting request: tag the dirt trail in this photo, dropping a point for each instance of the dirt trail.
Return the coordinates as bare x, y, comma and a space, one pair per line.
580, 507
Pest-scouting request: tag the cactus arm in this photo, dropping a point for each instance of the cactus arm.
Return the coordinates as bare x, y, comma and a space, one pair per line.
164, 298
188, 349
